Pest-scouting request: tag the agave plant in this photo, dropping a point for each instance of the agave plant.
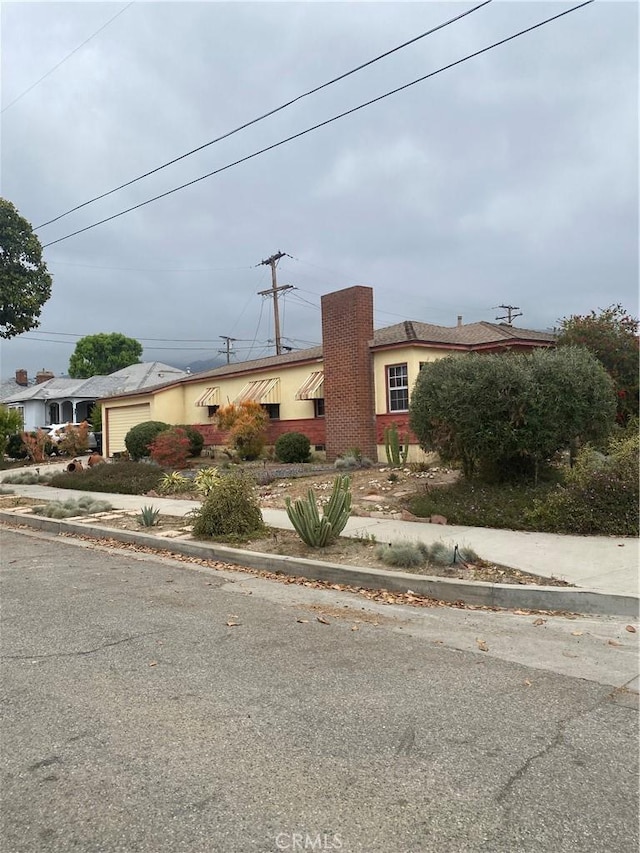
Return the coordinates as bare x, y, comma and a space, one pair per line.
174, 482
206, 480
148, 516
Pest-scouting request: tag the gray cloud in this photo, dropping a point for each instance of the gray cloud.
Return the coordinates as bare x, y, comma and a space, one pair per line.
511, 178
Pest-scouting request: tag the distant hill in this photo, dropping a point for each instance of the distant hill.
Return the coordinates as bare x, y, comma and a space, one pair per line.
204, 364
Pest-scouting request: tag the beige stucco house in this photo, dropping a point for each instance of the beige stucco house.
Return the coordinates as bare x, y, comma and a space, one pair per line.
341, 395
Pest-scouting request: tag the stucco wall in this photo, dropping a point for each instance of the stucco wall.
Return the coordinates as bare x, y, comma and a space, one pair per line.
411, 356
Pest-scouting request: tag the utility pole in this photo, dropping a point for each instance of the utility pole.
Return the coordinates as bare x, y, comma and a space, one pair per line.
510, 315
274, 291
227, 350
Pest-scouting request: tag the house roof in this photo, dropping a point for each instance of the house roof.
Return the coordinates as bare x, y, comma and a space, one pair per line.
127, 379
467, 337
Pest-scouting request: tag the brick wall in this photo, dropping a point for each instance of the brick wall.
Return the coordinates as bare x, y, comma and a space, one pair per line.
347, 328
313, 428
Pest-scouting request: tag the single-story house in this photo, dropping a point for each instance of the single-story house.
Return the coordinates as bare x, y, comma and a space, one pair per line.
59, 400
341, 395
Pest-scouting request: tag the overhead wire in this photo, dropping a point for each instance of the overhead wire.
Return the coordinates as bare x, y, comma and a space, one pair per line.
268, 113
325, 122
68, 56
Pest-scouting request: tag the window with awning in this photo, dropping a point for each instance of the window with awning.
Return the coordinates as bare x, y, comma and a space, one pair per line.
313, 387
211, 397
260, 391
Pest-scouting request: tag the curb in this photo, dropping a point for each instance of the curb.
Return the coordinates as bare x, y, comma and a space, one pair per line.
568, 599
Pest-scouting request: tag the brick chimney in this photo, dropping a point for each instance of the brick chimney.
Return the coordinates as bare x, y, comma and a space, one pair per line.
22, 377
44, 376
347, 328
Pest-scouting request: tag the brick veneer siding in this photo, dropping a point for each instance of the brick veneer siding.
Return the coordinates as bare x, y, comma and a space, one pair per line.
401, 420
347, 329
313, 428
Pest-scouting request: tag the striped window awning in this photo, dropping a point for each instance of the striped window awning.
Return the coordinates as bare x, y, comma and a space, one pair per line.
313, 387
262, 391
211, 397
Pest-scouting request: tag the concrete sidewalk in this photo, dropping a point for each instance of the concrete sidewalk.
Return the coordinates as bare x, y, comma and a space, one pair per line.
599, 563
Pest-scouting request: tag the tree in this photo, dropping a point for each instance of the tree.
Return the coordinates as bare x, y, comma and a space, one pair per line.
25, 283
612, 336
505, 413
104, 353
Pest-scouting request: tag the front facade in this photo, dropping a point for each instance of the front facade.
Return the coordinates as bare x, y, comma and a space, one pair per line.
341, 395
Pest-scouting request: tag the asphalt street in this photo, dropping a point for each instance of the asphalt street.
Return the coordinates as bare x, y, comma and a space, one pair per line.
155, 705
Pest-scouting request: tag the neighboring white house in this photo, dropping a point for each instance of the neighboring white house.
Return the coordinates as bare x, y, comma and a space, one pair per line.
57, 400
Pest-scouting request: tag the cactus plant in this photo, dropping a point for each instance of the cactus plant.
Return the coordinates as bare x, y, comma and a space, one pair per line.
392, 442
319, 531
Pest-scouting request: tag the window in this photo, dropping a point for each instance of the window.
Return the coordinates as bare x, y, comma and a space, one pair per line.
273, 410
211, 410
318, 408
398, 388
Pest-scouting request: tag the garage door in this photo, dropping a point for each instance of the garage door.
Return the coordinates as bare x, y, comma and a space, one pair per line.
120, 421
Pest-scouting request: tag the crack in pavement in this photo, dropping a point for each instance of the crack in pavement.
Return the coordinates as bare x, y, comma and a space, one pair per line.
518, 774
81, 651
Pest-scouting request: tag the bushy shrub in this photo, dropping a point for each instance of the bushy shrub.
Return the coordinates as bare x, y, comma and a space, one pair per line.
72, 508
600, 494
247, 426
15, 447
10, 424
75, 440
230, 511
196, 439
123, 477
487, 411
37, 444
139, 437
170, 448
293, 447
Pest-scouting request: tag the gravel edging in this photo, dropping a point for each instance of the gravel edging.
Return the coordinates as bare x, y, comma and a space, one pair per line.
507, 596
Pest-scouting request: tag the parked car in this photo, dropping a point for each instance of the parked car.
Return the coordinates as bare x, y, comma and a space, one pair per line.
56, 434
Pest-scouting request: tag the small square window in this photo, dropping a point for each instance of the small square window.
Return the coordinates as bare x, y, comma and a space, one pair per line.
273, 410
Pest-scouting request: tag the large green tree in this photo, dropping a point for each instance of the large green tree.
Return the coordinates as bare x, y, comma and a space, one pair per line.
612, 336
509, 412
104, 353
25, 283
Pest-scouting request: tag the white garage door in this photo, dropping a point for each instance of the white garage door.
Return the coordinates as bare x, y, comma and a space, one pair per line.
120, 422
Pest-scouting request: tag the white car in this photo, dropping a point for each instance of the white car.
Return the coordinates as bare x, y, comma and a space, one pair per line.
56, 434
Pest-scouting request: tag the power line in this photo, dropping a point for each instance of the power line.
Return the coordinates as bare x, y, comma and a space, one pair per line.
324, 123
68, 56
149, 269
166, 340
267, 114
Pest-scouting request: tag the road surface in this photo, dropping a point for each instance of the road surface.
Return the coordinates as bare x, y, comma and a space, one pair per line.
158, 706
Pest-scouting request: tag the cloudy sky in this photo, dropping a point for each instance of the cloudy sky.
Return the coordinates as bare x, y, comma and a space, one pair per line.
510, 179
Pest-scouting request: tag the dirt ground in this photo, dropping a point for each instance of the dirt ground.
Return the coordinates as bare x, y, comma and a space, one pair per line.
374, 490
